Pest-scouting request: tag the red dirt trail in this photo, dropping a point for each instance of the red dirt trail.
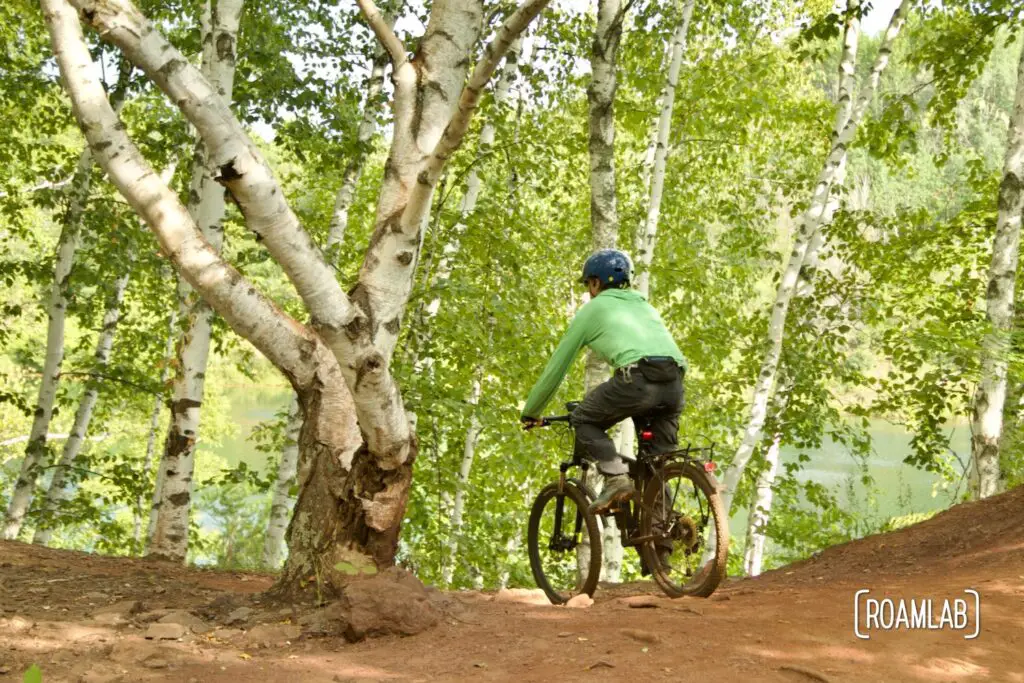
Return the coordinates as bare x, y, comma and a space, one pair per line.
67, 612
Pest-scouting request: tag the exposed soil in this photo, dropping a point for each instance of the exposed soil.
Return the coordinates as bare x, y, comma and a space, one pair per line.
84, 618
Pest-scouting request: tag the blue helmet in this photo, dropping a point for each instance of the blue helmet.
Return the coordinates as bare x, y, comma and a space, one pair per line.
611, 266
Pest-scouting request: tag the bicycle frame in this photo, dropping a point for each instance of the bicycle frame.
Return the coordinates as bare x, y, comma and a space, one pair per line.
643, 470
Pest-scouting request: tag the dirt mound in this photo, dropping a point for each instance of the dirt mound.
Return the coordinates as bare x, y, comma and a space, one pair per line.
91, 619
967, 535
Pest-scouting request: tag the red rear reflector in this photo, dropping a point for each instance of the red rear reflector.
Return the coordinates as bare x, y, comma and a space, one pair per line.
709, 467
646, 436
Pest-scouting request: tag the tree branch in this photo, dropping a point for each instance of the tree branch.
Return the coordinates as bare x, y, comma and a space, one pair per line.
381, 28
279, 337
243, 170
495, 51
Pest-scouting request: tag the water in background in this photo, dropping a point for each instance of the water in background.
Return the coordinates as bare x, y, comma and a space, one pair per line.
897, 489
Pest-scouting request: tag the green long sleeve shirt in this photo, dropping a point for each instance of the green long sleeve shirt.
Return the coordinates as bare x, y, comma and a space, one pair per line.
620, 326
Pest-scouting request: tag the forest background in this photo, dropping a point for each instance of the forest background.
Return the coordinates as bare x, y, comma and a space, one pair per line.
869, 422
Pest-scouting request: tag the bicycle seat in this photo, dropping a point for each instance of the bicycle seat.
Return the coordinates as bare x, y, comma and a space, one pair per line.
572, 405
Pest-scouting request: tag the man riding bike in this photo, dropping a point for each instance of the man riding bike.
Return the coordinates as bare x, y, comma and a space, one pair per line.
627, 333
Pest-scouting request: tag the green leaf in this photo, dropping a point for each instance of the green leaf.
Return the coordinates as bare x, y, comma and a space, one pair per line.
33, 675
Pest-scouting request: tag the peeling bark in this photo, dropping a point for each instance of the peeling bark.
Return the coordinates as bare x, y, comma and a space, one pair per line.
347, 507
434, 103
990, 396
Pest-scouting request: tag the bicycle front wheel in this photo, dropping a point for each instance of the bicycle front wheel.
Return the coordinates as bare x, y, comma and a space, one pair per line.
564, 543
683, 515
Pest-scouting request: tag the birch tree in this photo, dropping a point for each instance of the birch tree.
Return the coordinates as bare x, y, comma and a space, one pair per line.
172, 506
648, 235
849, 114
282, 501
604, 218
56, 309
503, 86
59, 489
990, 396
761, 504
353, 478
367, 129
154, 427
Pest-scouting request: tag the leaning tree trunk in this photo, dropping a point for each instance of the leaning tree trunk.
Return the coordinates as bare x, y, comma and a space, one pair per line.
604, 222
56, 309
58, 490
760, 509
990, 396
170, 535
810, 223
283, 501
646, 242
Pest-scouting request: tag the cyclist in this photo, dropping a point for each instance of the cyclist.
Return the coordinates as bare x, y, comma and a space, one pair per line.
627, 333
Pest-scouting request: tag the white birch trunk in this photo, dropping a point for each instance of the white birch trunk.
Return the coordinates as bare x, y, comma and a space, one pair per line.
760, 509
354, 168
35, 451
604, 223
283, 501
462, 484
505, 78
206, 206
58, 491
990, 396
655, 166
511, 548
809, 225
433, 106
645, 250
154, 427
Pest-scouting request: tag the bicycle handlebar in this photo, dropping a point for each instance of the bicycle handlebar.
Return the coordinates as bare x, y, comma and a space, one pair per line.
547, 421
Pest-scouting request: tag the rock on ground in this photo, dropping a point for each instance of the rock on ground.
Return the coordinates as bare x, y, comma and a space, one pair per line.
393, 602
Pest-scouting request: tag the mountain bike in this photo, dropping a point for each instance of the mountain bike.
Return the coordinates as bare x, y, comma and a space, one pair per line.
675, 509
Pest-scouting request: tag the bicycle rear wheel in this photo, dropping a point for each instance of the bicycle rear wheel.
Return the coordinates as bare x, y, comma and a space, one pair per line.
559, 525
682, 511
